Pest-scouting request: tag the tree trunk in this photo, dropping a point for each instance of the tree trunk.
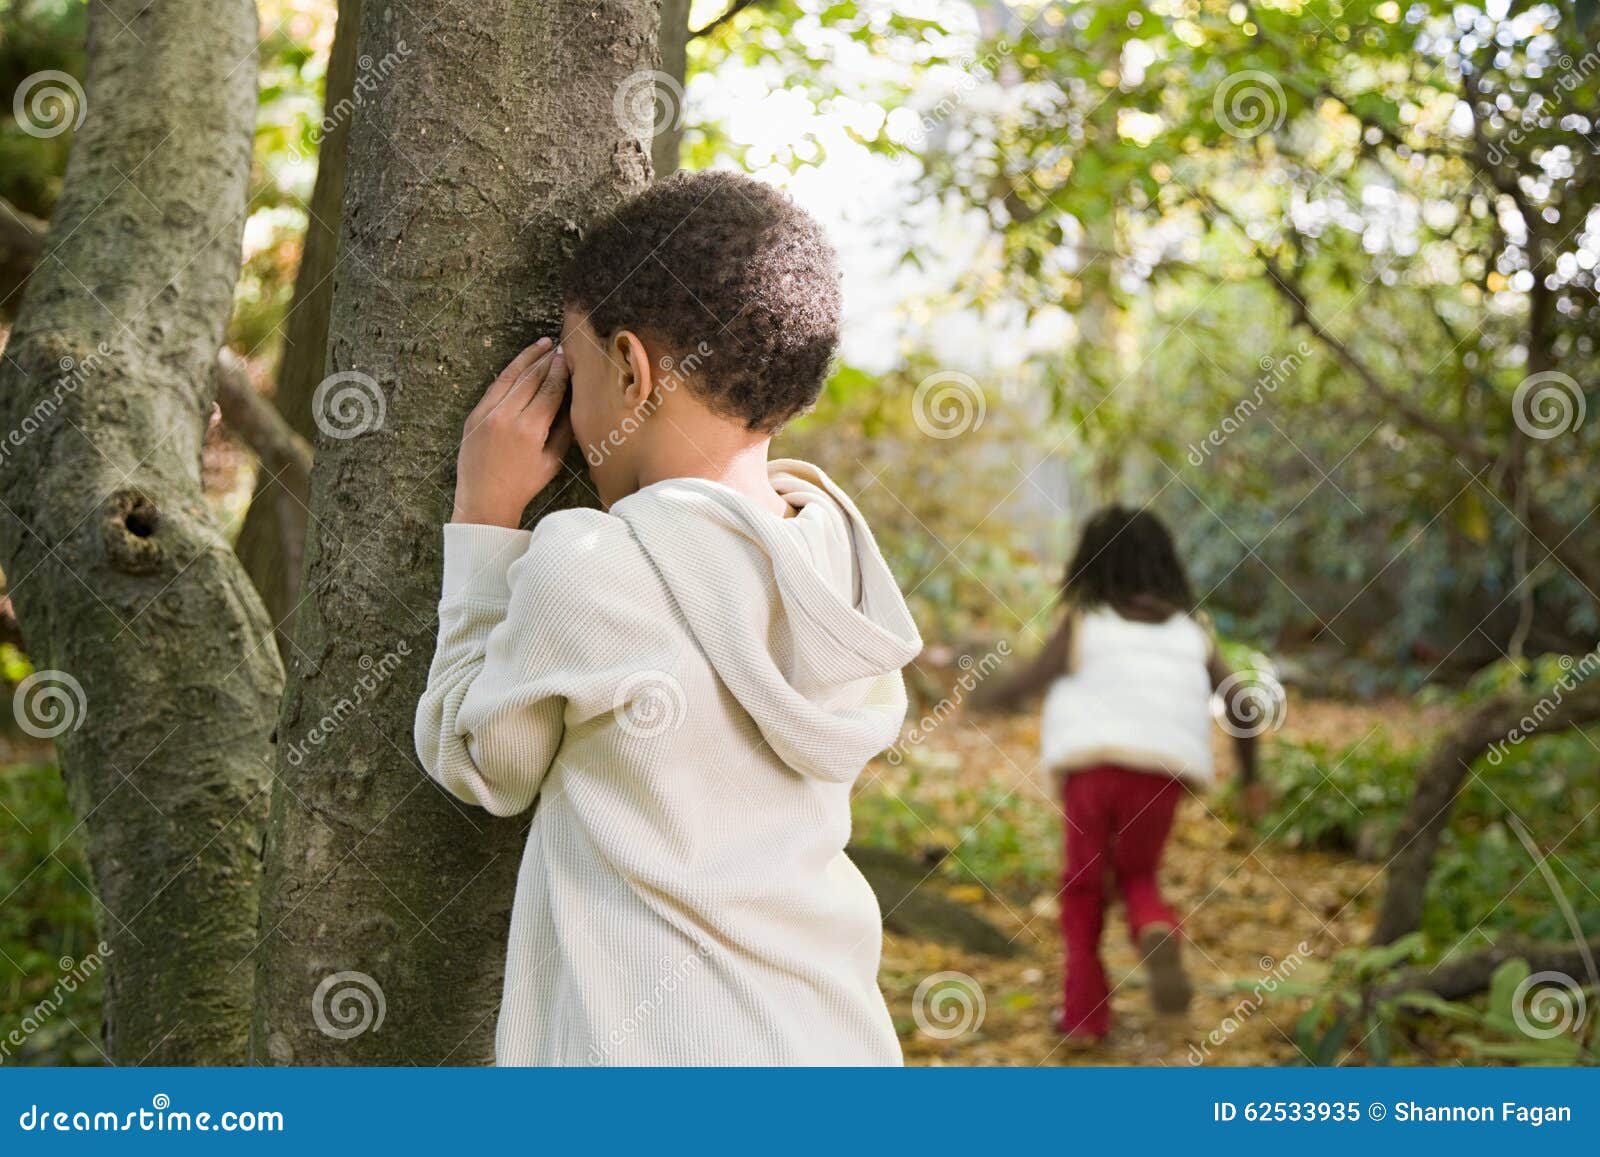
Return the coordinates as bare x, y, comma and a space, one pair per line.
667, 143
472, 168
272, 540
136, 613
1491, 725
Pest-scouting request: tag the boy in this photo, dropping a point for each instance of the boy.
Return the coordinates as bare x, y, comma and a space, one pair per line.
688, 680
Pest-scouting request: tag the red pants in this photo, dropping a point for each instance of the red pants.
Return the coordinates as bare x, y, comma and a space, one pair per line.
1117, 821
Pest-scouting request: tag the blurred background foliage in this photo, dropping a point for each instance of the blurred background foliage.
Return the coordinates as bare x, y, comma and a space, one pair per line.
1127, 214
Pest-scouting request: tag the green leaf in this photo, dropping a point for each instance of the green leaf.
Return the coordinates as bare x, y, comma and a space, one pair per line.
1559, 1050
1378, 1042
1332, 1042
1503, 989
1439, 1006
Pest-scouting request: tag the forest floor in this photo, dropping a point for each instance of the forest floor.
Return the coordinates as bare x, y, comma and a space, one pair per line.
1253, 909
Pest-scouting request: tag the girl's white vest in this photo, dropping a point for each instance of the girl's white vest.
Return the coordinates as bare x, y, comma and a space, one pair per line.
1137, 695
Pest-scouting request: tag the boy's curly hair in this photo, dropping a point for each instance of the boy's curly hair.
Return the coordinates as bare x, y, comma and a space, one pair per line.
731, 278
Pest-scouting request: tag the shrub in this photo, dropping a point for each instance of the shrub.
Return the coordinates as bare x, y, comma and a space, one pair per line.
50, 1002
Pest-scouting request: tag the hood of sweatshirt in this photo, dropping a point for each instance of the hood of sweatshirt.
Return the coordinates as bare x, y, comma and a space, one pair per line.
800, 617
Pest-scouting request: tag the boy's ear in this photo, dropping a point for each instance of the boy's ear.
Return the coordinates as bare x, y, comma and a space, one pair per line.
634, 362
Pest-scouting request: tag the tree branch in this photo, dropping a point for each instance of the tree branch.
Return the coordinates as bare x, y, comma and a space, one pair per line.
733, 10
1499, 721
1293, 293
285, 459
1471, 973
1546, 528
282, 452
1487, 168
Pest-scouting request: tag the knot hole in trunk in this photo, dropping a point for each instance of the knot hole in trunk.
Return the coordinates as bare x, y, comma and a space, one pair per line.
128, 531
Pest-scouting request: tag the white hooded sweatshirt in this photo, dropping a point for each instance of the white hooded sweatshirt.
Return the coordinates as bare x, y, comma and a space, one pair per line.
688, 685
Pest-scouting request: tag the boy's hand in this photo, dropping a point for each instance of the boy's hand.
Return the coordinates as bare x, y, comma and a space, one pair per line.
513, 443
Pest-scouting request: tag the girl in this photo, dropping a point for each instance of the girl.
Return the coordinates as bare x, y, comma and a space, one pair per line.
1126, 725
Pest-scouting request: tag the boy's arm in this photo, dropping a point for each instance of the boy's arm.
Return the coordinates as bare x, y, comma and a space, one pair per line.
1006, 693
484, 730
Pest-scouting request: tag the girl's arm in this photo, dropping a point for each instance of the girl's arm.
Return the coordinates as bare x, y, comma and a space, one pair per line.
1008, 692
1244, 741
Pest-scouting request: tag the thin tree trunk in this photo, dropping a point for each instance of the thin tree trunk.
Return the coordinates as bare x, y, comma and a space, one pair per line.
667, 144
272, 540
472, 169
1492, 724
133, 608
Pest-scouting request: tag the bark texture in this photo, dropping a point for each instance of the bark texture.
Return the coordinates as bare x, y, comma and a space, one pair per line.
272, 540
130, 603
473, 167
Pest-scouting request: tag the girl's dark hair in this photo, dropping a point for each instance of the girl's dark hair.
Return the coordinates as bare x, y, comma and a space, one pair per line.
1126, 557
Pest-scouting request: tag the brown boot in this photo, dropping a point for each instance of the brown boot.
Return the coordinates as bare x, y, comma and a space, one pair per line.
1170, 990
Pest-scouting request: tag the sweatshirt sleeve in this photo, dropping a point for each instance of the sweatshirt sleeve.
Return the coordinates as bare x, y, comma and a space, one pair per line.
537, 633
488, 725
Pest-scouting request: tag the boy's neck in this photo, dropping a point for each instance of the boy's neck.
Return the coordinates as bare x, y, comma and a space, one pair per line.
738, 463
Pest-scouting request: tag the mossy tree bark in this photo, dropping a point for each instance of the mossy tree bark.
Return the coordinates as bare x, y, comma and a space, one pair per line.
131, 604
472, 168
